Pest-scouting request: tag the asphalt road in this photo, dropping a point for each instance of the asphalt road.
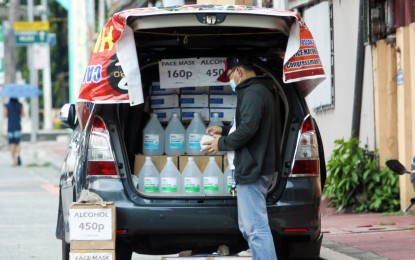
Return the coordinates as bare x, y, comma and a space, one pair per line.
28, 206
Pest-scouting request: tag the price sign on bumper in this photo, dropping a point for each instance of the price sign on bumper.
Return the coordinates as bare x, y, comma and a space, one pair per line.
191, 72
90, 224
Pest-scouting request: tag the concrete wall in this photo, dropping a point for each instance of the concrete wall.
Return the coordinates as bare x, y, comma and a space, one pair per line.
336, 123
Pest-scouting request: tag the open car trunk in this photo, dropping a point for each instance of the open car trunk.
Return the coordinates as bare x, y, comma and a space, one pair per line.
167, 47
170, 43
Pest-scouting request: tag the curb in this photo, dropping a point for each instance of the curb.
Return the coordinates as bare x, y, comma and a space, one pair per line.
350, 251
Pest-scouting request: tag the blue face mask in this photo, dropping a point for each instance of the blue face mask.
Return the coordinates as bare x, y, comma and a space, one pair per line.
233, 85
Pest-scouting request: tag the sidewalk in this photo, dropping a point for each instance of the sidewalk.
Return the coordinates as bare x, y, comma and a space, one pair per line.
359, 236
389, 237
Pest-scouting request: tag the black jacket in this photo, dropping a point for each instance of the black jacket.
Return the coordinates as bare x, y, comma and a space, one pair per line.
254, 139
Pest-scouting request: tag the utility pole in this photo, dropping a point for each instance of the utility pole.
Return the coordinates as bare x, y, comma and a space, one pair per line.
34, 101
47, 82
10, 53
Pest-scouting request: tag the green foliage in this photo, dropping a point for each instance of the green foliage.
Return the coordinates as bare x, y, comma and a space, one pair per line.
356, 183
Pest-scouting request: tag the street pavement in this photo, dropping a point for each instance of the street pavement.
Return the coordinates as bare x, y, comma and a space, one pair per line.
386, 236
346, 236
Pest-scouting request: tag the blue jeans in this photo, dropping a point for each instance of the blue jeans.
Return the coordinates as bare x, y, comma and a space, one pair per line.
253, 218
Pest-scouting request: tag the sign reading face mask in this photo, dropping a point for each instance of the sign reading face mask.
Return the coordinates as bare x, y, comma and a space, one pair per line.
191, 72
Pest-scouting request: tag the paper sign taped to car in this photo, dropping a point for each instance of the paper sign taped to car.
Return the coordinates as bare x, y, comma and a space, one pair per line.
190, 72
90, 223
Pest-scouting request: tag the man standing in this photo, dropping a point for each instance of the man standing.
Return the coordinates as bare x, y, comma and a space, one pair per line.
14, 112
254, 143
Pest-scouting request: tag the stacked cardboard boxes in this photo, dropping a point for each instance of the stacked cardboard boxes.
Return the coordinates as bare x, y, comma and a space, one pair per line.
164, 101
186, 101
194, 100
92, 230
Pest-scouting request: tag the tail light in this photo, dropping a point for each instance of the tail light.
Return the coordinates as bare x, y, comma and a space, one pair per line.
307, 160
100, 156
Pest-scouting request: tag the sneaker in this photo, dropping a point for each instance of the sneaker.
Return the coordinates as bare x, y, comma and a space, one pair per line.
19, 161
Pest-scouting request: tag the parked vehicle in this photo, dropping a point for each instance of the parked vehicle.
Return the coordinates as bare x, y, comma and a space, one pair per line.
398, 168
108, 133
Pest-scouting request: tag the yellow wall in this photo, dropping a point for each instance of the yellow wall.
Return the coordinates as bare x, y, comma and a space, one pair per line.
395, 103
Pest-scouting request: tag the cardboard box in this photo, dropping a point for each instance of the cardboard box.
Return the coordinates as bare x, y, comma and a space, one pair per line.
194, 100
222, 100
225, 162
226, 2
158, 160
92, 254
155, 89
195, 90
226, 114
92, 225
187, 113
164, 114
225, 89
200, 160
165, 101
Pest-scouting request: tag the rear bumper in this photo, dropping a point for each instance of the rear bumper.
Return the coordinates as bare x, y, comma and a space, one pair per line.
298, 208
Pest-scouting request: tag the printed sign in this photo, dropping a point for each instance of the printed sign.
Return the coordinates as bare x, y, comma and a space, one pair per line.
90, 256
306, 61
191, 72
90, 224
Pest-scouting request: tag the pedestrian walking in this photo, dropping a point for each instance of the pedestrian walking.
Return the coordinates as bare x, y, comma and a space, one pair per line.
253, 141
14, 113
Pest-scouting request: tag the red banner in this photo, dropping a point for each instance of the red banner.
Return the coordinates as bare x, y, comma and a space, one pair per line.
102, 78
306, 63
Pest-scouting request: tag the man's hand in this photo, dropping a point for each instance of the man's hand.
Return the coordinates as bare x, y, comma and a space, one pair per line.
214, 130
212, 146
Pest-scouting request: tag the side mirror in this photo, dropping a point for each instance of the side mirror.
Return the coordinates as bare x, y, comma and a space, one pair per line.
396, 166
67, 115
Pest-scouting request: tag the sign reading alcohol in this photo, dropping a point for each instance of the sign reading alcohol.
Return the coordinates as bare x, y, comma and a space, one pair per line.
31, 26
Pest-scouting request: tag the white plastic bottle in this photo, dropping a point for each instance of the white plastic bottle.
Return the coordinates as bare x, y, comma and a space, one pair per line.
194, 133
170, 178
149, 177
212, 178
215, 120
153, 137
192, 178
227, 181
175, 137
